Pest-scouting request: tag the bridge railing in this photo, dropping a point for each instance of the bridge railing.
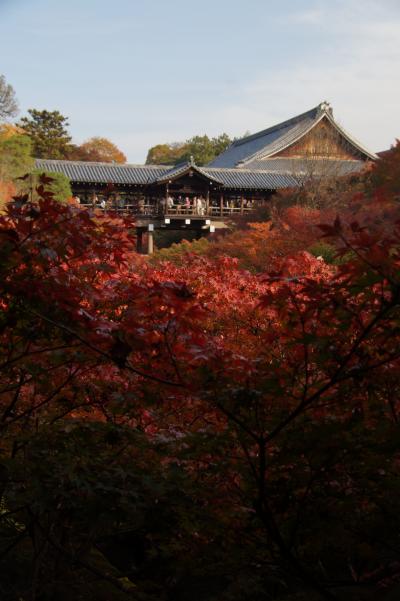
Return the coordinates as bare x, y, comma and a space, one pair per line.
152, 210
131, 209
212, 211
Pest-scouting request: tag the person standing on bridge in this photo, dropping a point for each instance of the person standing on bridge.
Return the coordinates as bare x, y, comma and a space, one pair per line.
170, 203
201, 204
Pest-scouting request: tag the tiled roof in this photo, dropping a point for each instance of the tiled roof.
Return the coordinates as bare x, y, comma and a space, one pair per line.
83, 171
297, 166
181, 169
86, 172
247, 179
235, 178
270, 141
173, 172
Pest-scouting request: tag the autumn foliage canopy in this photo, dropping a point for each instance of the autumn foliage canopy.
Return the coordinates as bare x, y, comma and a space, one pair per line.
198, 430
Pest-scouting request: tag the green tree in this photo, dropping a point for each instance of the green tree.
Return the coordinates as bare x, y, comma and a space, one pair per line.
202, 148
15, 156
166, 154
48, 133
60, 185
205, 149
221, 143
15, 161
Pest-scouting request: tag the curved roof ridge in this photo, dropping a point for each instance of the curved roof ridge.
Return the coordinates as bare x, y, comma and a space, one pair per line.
181, 169
245, 148
235, 170
312, 113
351, 139
286, 143
103, 164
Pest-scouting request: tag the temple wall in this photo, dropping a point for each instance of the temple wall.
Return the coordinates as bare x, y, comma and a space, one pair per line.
322, 141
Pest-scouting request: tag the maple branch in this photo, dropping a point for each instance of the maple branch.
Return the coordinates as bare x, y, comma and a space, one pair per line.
84, 564
237, 421
305, 402
49, 227
249, 459
103, 353
170, 353
14, 400
37, 352
305, 345
14, 543
364, 260
44, 401
267, 518
32, 378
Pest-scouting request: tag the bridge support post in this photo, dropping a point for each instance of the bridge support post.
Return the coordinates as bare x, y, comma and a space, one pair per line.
150, 242
139, 241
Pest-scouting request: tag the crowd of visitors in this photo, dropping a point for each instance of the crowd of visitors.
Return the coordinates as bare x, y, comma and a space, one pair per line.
194, 206
178, 205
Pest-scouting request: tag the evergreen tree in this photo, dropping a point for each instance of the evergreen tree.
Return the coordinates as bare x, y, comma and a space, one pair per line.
47, 129
202, 148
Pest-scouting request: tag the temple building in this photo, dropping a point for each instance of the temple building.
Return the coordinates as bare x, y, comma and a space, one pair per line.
241, 178
313, 138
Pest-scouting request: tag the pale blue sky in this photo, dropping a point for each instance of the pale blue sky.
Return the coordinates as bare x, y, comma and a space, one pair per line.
141, 73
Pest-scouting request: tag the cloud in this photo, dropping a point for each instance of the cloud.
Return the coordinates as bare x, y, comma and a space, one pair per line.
310, 16
354, 64
352, 60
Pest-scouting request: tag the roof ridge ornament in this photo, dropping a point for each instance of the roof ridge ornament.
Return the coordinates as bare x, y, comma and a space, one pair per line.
326, 107
191, 160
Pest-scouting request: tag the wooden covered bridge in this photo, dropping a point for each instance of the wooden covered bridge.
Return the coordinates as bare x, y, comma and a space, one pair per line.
240, 179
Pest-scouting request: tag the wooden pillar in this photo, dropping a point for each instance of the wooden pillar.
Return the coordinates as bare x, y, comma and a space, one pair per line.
241, 204
221, 205
150, 242
166, 198
139, 241
208, 201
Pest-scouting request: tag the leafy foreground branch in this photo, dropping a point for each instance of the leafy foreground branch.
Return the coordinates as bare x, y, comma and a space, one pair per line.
195, 431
